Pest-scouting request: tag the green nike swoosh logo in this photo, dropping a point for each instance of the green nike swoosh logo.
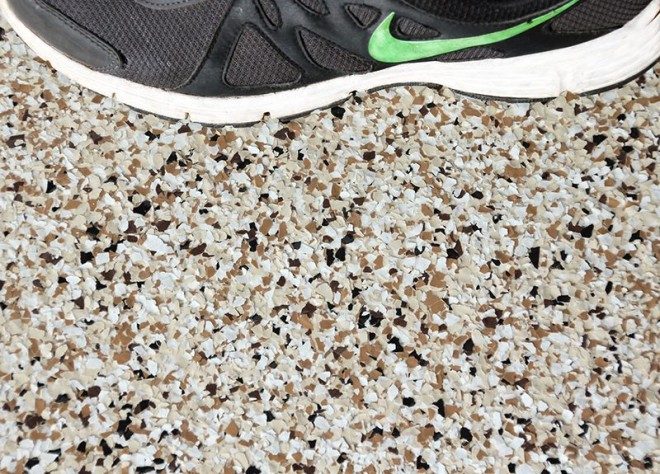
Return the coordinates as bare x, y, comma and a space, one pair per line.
384, 47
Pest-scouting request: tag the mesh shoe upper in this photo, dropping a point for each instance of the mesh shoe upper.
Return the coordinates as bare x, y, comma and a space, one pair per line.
161, 48
598, 15
234, 47
482, 11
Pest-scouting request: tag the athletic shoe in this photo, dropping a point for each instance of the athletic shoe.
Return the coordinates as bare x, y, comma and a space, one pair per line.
232, 61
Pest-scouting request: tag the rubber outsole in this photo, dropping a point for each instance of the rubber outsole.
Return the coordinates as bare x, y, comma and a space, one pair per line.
604, 63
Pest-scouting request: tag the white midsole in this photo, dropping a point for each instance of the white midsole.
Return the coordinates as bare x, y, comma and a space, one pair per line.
587, 67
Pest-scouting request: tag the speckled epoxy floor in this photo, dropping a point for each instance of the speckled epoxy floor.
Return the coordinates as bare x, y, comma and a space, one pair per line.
414, 280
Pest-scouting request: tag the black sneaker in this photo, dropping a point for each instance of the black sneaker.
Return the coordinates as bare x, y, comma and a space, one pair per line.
232, 61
